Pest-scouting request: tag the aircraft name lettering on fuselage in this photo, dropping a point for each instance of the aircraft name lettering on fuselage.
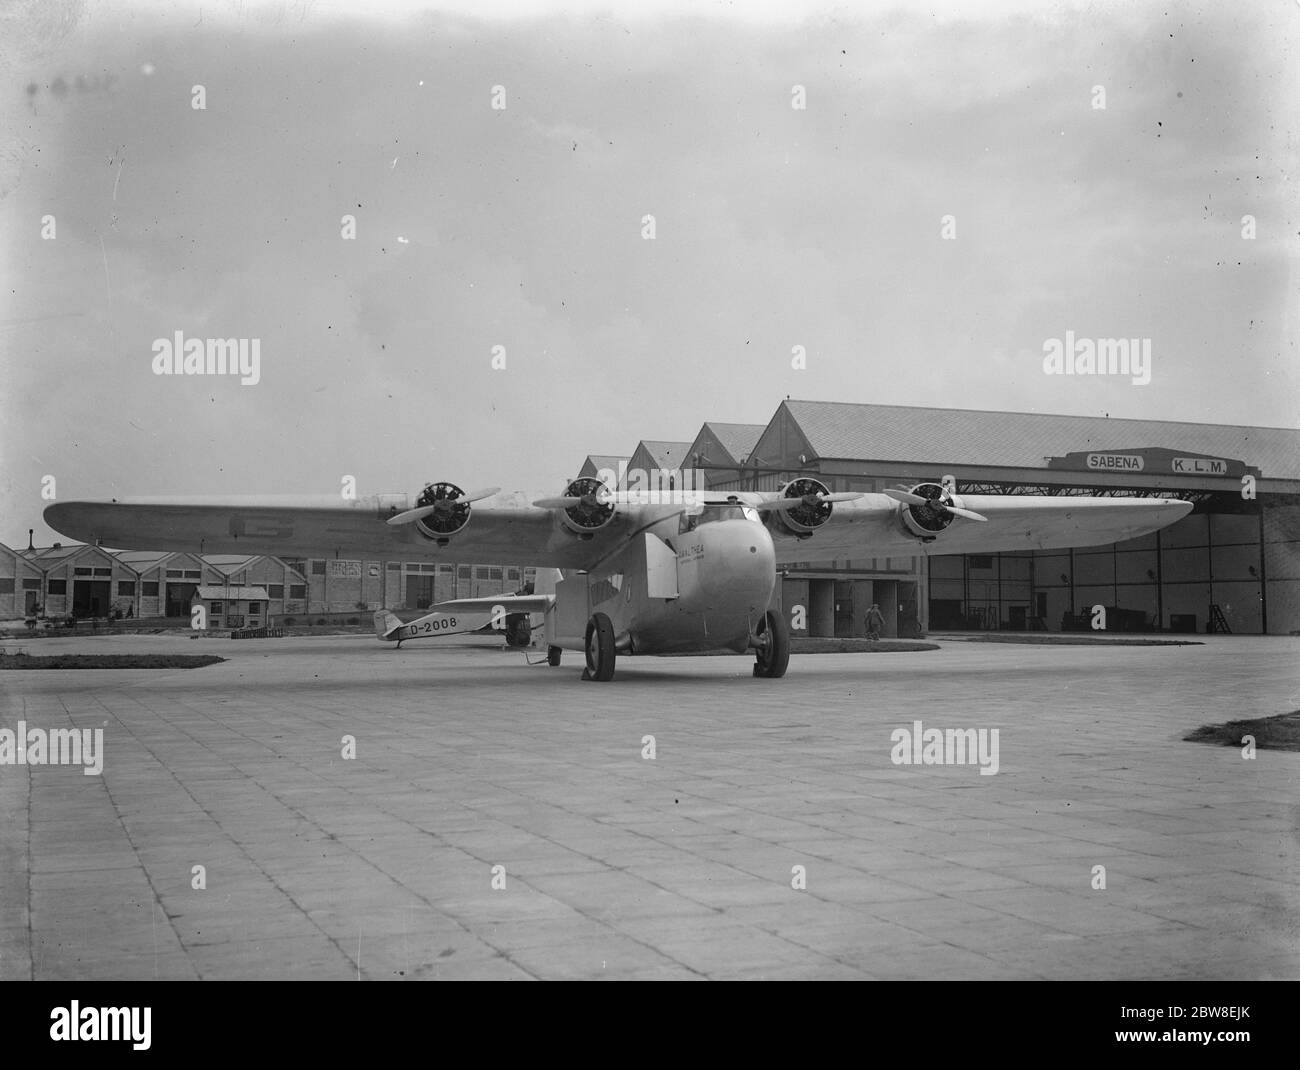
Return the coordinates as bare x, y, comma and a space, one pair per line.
690, 553
433, 626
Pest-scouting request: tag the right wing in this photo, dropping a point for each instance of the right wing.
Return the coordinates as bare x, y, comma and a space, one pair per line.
504, 529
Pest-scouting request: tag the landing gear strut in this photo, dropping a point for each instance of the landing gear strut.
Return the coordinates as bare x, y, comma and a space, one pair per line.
600, 649
772, 646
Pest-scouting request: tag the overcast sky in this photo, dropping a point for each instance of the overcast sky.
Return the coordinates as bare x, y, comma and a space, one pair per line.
521, 227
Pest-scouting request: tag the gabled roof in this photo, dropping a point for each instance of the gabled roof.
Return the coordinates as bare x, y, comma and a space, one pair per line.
229, 564
143, 559
737, 439
666, 455
19, 558
65, 551
847, 431
604, 460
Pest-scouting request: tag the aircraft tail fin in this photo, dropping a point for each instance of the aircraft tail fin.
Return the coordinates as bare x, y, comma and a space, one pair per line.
545, 579
386, 623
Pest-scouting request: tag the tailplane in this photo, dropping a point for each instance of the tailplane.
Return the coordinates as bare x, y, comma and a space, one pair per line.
386, 624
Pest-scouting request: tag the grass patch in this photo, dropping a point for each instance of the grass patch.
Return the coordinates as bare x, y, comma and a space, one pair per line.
1281, 732
108, 661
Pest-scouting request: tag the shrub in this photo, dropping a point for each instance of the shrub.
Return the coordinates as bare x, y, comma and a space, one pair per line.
321, 620
289, 622
354, 620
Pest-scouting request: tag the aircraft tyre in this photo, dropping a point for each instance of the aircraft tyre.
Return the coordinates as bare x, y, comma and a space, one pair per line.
600, 649
519, 630
553, 654
773, 658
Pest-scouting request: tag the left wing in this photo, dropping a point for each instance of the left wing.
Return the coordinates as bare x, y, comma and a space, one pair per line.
880, 525
503, 529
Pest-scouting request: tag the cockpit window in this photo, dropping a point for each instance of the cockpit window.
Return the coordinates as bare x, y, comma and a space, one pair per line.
727, 512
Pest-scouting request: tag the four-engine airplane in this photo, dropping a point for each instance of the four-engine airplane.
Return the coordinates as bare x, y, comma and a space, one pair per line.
642, 575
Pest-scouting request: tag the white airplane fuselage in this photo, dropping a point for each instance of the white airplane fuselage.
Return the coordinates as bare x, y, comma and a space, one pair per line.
709, 594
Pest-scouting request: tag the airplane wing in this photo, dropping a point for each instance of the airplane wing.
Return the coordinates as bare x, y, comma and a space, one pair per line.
511, 529
503, 529
879, 525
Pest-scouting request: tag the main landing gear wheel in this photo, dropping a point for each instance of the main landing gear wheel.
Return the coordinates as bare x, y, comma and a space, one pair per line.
773, 657
553, 655
600, 649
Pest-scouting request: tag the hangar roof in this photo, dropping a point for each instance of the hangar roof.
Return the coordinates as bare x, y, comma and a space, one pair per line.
847, 431
598, 461
737, 439
229, 563
666, 455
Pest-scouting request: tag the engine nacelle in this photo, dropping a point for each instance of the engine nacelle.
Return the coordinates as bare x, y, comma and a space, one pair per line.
926, 521
808, 516
450, 516
594, 511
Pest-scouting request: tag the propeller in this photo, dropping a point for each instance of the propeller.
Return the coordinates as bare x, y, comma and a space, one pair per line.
811, 500
596, 498
445, 505
942, 504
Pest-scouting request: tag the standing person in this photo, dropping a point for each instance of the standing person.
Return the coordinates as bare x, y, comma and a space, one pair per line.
875, 621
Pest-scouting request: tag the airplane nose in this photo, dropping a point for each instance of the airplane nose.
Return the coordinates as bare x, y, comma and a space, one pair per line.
740, 563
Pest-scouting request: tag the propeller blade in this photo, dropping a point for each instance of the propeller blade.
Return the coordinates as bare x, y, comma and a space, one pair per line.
969, 514
906, 497
807, 499
474, 496
601, 497
412, 515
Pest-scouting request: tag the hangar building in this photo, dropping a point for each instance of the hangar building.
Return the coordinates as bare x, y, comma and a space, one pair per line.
1233, 563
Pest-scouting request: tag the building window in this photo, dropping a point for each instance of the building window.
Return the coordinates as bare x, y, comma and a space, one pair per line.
192, 574
463, 572
297, 590
126, 588
318, 568
494, 573
31, 585
394, 566
6, 585
174, 574
103, 572
254, 608
149, 588
275, 590
58, 587
218, 608
81, 572
512, 574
